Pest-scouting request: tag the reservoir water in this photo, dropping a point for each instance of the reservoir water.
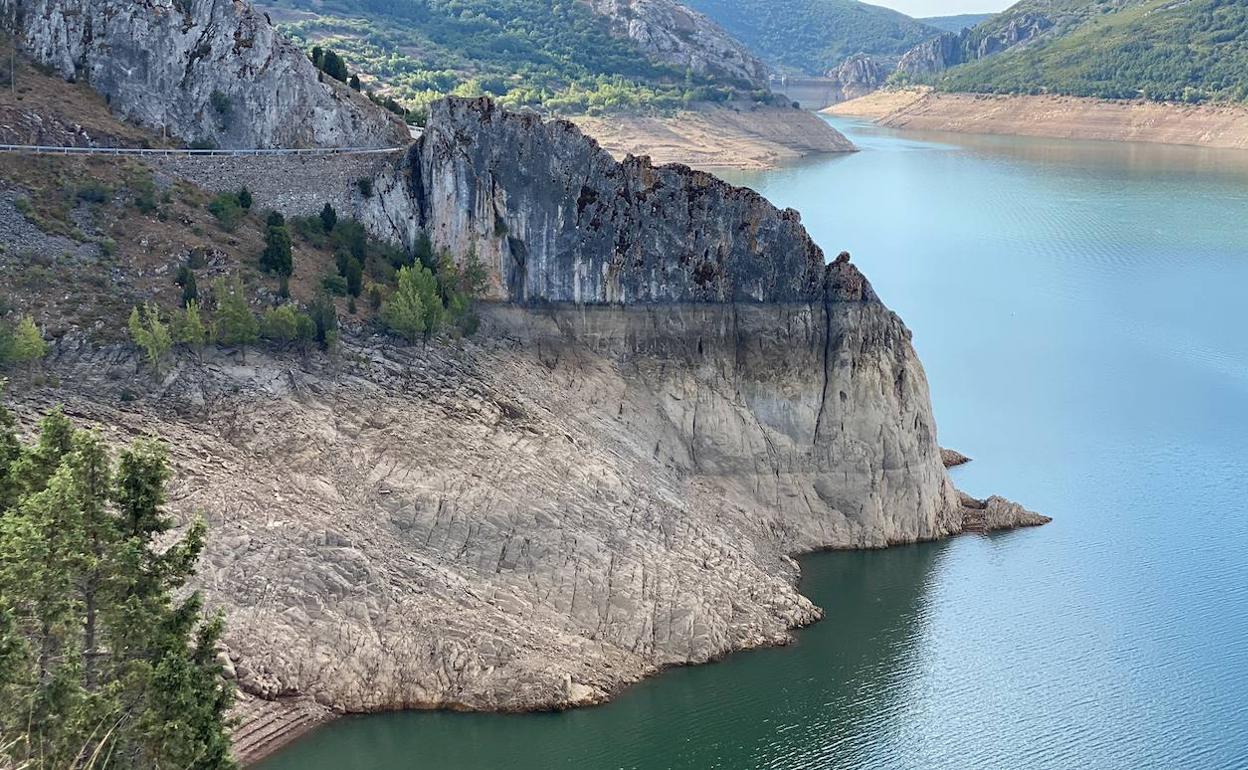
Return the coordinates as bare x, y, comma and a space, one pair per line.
1082, 313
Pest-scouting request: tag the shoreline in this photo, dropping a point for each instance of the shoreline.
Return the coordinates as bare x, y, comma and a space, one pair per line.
1056, 117
268, 726
718, 138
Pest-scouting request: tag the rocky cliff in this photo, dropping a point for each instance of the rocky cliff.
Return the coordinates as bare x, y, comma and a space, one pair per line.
671, 393
674, 34
208, 70
1015, 27
859, 75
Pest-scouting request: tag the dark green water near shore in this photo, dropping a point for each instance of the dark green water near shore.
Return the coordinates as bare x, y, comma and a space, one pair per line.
1082, 312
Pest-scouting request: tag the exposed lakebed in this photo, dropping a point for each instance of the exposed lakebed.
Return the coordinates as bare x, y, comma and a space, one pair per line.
1079, 308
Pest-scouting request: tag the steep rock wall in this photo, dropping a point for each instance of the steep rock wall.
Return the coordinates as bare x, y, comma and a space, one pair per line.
212, 70
674, 34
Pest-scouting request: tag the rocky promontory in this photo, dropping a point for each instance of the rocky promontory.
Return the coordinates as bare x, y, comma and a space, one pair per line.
672, 392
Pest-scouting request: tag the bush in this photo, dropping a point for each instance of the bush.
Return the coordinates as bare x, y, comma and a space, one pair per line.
93, 192
244, 199
334, 284
280, 325
365, 186
228, 211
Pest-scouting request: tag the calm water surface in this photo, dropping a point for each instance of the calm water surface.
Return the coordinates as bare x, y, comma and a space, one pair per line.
1081, 310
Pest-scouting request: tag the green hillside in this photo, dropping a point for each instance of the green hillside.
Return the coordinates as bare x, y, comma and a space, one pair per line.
813, 36
553, 54
1191, 51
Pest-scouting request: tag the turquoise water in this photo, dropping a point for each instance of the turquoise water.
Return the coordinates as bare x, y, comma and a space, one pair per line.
1080, 309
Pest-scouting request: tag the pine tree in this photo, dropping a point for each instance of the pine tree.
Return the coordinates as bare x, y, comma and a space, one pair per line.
244, 199
96, 655
414, 309
151, 334
329, 218
276, 257
189, 328
236, 324
27, 345
355, 82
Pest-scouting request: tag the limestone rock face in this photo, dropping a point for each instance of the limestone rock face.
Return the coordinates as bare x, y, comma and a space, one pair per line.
212, 70
557, 219
859, 75
952, 48
673, 34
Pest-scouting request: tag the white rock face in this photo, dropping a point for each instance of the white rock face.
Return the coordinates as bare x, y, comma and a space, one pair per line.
212, 70
671, 33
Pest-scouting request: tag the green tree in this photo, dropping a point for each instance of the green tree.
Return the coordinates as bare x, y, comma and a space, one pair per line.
276, 257
329, 218
151, 334
244, 199
355, 83
236, 324
414, 309
324, 314
27, 344
189, 328
186, 279
97, 656
280, 325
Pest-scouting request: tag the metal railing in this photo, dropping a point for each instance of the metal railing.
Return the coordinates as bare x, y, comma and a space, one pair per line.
38, 149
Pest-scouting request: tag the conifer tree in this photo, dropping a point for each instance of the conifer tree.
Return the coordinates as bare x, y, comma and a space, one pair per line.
151, 334
27, 345
236, 324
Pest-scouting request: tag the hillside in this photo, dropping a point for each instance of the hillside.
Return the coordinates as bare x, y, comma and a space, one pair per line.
814, 36
1192, 51
570, 57
955, 23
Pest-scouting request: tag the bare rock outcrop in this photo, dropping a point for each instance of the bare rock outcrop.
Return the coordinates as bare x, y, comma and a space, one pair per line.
671, 393
859, 75
673, 34
201, 70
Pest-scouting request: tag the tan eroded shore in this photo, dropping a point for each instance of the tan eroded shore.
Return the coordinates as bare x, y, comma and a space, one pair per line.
1062, 117
718, 138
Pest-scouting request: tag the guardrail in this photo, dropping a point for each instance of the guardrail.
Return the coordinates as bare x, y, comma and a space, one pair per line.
37, 149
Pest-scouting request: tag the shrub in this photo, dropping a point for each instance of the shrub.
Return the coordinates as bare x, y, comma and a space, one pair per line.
226, 208
280, 325
365, 186
244, 199
329, 218
334, 284
93, 192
